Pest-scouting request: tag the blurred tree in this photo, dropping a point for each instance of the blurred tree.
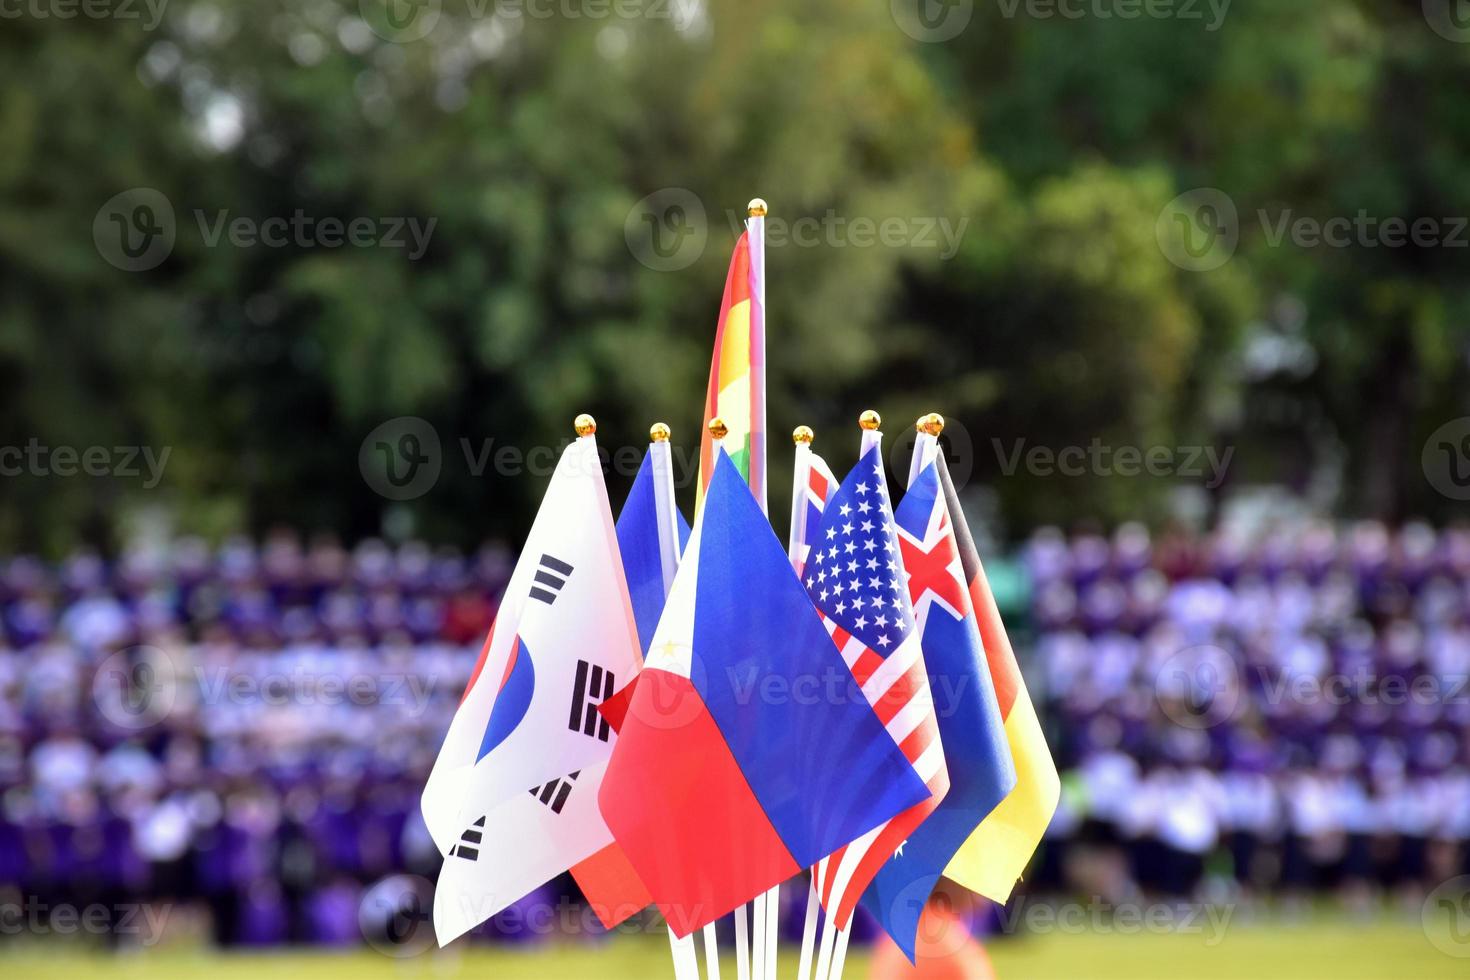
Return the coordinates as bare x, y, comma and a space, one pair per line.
520, 147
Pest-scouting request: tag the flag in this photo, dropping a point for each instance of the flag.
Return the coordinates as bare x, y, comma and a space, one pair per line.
510, 799
612, 888
520, 845
638, 543
722, 783
992, 858
856, 581
812, 501
737, 378
976, 754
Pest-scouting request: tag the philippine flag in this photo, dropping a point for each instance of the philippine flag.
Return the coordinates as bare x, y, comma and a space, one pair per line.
721, 784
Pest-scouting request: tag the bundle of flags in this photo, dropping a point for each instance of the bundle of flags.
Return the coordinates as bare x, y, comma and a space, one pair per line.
688, 717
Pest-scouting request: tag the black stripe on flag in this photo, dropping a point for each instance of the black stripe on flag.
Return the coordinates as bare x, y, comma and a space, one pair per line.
590, 687
561, 797
556, 565
469, 837
554, 794
553, 582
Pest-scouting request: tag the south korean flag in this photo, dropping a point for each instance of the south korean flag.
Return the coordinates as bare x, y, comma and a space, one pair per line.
563, 641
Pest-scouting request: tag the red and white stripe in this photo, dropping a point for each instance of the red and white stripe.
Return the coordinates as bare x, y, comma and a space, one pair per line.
897, 686
819, 486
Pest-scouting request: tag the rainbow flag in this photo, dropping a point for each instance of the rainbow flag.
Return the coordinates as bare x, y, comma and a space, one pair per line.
992, 858
737, 374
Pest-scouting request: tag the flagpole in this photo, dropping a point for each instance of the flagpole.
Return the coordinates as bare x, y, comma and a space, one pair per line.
801, 476
809, 930
926, 444
834, 941
686, 967
718, 430
755, 226
839, 954
755, 229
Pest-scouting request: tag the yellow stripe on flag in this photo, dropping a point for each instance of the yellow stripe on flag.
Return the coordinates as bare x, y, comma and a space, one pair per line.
991, 860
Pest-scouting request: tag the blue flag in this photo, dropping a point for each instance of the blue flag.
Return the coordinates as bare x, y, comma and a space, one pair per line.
981, 771
638, 542
747, 752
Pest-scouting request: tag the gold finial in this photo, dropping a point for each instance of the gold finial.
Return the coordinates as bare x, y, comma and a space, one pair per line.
870, 420
803, 435
585, 424
718, 428
933, 423
658, 432
757, 207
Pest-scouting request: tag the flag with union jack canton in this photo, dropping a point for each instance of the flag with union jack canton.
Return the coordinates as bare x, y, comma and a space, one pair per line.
819, 486
977, 756
854, 574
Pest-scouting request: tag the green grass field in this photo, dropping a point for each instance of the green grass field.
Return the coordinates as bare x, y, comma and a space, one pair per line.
1334, 948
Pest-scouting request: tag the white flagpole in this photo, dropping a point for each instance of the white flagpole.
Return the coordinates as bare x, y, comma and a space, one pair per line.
824, 953
839, 953
809, 930
686, 967
834, 941
800, 477
755, 227
926, 445
718, 430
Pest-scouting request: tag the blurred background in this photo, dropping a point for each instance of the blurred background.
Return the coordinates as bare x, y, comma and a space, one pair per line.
298, 300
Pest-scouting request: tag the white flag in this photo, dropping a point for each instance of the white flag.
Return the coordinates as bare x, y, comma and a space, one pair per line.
564, 640
517, 847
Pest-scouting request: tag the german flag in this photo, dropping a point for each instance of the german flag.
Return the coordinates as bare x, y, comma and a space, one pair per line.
991, 860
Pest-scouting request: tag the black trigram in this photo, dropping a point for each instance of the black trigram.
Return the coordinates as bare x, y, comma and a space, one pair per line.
552, 573
469, 842
591, 682
554, 794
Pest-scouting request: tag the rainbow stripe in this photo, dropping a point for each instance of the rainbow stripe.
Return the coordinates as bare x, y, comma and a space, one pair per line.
737, 374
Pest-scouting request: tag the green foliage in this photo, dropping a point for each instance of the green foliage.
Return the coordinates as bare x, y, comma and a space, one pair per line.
1052, 144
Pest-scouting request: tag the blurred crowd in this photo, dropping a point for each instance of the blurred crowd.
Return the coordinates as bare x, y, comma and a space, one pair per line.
242, 731
1283, 712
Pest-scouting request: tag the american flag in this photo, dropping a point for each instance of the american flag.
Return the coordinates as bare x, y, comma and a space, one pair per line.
855, 577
